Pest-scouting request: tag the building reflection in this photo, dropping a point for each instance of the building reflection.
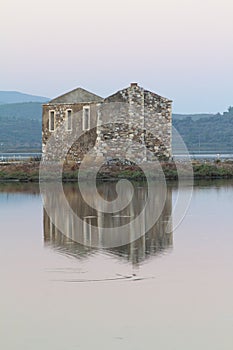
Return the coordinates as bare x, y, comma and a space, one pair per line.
156, 241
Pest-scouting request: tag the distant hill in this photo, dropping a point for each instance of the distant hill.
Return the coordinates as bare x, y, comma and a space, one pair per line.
20, 129
20, 135
19, 97
213, 133
27, 110
192, 116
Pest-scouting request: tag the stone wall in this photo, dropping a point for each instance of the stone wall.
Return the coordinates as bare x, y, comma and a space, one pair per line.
136, 117
132, 124
81, 145
158, 125
120, 131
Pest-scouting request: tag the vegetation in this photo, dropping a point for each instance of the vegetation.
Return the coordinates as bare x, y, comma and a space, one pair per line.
202, 170
22, 111
193, 116
19, 135
19, 171
211, 133
20, 127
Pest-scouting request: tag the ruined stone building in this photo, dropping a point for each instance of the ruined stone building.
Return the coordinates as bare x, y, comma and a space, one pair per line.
133, 121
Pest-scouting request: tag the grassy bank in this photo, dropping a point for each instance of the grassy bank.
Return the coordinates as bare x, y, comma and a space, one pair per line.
29, 172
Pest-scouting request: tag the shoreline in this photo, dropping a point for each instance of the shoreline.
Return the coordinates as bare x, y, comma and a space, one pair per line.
29, 171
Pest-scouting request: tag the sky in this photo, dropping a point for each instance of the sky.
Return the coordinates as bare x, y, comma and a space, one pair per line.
180, 49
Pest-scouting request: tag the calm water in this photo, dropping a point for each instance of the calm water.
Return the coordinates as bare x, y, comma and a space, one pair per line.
167, 291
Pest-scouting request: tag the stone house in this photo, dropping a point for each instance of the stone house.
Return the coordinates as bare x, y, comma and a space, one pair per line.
133, 121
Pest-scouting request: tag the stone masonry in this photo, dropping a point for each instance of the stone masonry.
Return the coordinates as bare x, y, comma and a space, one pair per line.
133, 124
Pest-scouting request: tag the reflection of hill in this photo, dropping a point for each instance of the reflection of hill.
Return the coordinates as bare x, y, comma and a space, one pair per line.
154, 242
19, 187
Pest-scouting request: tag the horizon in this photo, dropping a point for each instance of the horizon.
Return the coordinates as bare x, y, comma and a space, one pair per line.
50, 98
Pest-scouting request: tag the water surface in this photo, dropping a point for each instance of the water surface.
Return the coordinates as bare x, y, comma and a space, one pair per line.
164, 291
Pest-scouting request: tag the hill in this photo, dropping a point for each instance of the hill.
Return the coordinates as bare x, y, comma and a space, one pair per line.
21, 129
207, 134
19, 97
27, 110
192, 116
19, 135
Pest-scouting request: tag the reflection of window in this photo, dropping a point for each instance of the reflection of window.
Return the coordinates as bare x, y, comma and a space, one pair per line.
69, 120
87, 230
69, 226
52, 230
51, 120
86, 117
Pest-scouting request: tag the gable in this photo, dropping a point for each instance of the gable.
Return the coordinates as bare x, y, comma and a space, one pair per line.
124, 94
78, 95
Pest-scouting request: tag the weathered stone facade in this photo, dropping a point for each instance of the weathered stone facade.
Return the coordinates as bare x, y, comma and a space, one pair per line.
132, 124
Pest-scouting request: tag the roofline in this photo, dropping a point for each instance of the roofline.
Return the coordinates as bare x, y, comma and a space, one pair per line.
162, 97
102, 99
67, 93
167, 100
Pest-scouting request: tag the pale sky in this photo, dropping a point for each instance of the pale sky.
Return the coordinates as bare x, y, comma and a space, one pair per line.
180, 49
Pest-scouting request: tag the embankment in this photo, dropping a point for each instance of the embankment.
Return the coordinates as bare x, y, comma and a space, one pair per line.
29, 171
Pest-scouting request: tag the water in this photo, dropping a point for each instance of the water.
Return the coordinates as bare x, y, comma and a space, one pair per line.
168, 290
198, 156
4, 157
204, 156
